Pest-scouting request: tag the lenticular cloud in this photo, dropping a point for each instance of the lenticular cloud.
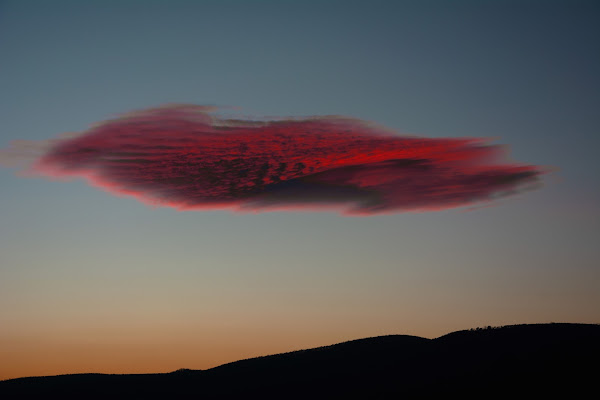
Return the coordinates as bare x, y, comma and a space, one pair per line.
188, 158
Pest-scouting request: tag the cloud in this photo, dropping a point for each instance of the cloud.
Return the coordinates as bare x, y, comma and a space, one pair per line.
186, 157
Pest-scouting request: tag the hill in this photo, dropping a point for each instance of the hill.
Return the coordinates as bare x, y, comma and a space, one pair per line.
517, 360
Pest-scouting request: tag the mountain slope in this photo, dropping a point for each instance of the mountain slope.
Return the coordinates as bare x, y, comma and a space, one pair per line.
512, 360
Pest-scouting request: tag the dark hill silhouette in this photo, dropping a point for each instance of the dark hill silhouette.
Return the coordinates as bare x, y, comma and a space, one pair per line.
515, 361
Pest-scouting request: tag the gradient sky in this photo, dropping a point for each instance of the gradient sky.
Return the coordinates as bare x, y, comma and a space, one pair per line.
91, 282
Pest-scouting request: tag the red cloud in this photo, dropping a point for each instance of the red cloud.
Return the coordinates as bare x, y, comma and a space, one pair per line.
185, 157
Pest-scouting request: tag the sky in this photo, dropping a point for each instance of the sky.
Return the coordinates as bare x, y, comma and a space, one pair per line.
91, 281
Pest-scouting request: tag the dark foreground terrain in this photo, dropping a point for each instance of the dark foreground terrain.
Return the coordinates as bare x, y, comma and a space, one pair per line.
516, 361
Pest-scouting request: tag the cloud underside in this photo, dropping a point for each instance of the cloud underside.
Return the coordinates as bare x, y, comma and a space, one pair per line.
187, 158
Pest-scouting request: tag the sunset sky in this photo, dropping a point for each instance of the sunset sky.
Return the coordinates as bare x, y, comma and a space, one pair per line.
95, 282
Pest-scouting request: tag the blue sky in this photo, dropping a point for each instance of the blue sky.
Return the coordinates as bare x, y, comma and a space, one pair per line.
76, 262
